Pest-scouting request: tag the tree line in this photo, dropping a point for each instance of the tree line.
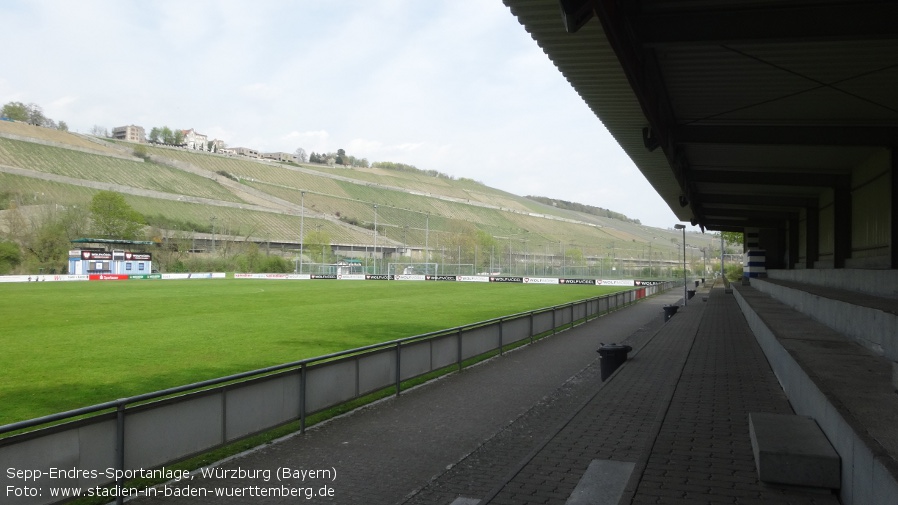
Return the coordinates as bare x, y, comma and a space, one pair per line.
333, 158
341, 158
586, 209
166, 135
37, 238
31, 113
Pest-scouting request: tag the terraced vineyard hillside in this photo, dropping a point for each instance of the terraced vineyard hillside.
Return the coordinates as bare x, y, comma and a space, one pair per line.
242, 199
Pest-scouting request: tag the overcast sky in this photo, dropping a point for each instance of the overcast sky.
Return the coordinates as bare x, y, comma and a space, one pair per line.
456, 86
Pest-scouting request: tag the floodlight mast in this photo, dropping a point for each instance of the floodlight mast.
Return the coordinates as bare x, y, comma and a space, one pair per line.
302, 226
685, 294
375, 239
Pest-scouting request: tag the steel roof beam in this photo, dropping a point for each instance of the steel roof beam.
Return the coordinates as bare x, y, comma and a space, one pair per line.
846, 135
711, 200
804, 179
770, 24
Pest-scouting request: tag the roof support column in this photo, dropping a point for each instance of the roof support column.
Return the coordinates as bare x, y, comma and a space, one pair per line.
842, 221
792, 240
893, 224
812, 235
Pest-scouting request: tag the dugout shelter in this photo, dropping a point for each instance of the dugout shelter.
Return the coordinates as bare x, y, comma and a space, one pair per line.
108, 256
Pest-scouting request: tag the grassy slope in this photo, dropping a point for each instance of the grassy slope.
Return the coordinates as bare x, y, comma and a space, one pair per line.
67, 345
401, 215
95, 167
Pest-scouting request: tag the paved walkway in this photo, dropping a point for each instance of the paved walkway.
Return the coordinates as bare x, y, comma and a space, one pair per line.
523, 428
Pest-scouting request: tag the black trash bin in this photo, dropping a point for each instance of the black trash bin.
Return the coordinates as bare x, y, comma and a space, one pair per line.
696, 283
612, 356
703, 281
690, 293
669, 311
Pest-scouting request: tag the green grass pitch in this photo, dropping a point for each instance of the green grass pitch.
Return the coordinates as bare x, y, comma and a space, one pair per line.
70, 345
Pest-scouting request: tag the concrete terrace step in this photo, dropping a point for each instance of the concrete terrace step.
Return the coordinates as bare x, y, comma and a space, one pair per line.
868, 319
845, 387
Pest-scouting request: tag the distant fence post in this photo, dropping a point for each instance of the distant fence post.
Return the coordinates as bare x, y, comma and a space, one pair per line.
459, 348
302, 398
501, 338
398, 367
531, 326
120, 449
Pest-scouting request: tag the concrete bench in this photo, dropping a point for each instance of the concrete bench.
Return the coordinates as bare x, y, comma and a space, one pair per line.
793, 450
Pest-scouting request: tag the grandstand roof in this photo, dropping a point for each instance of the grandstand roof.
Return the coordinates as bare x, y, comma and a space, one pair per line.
740, 113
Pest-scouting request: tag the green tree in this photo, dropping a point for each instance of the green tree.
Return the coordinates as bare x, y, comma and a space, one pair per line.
460, 244
44, 238
574, 257
168, 136
10, 256
250, 259
155, 135
31, 114
317, 246
62, 126
178, 137
486, 244
733, 237
113, 217
49, 248
17, 111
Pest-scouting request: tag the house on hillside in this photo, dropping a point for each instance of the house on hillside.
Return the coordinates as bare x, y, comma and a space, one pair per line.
130, 133
194, 140
245, 151
286, 157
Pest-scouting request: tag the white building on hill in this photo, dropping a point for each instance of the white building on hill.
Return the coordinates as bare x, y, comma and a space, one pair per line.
194, 140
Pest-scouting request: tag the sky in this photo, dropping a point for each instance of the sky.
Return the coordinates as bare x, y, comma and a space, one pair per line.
456, 86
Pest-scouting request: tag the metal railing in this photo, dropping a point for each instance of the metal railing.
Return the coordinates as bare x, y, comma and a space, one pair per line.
154, 429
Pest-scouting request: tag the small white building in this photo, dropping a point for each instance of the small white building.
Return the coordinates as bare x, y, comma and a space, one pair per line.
194, 140
218, 146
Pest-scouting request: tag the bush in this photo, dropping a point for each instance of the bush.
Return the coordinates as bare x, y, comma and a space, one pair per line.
228, 175
276, 265
733, 272
141, 152
10, 257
